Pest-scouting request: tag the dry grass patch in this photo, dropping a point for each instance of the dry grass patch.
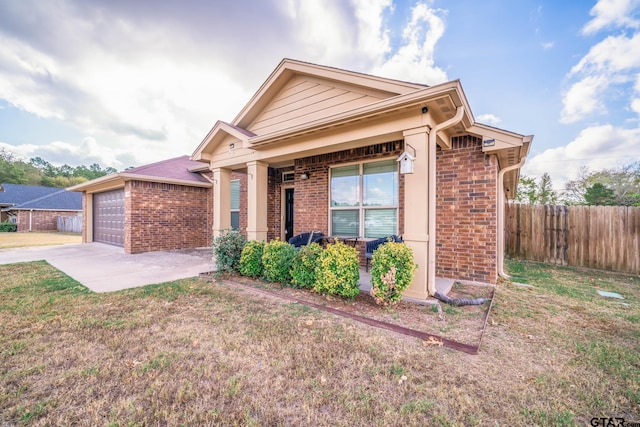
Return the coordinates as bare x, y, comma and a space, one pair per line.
198, 353
18, 240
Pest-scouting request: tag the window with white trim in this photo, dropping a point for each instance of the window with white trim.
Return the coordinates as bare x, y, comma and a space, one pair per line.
235, 204
364, 199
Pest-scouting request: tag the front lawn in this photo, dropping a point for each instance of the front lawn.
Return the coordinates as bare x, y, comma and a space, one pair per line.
18, 240
198, 353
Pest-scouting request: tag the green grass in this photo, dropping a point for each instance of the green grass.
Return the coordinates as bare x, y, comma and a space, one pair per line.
192, 352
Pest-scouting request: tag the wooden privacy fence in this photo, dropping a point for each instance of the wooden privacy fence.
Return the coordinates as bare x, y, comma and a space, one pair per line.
70, 224
602, 237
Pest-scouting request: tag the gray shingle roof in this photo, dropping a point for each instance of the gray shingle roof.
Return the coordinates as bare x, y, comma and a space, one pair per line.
14, 194
42, 198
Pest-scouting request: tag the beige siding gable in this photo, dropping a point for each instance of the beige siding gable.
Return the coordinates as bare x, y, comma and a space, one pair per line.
305, 98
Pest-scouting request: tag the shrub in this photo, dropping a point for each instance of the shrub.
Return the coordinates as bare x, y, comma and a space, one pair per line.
251, 259
303, 272
8, 227
338, 271
277, 260
392, 269
227, 249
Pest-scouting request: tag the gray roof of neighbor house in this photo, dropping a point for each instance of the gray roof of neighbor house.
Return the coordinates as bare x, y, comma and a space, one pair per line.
41, 198
15, 194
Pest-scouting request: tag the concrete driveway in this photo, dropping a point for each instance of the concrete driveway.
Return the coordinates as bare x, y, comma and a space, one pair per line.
106, 268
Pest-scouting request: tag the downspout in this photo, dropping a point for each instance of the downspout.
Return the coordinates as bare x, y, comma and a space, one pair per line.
30, 215
431, 217
500, 230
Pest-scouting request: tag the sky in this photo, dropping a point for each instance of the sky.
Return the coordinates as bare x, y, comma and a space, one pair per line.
123, 83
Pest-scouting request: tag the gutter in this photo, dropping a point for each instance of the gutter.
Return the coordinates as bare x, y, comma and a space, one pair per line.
431, 217
500, 231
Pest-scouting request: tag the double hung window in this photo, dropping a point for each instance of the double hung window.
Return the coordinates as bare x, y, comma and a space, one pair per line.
364, 199
235, 204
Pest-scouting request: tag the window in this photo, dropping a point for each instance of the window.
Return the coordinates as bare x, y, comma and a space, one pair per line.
235, 204
364, 199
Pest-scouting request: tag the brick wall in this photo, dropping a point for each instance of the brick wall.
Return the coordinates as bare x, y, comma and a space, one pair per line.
466, 212
41, 220
166, 216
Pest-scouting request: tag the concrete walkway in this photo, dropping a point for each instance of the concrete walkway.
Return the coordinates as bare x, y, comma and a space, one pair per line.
105, 268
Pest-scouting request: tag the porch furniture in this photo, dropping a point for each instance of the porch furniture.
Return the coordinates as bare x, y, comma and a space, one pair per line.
306, 238
347, 240
371, 246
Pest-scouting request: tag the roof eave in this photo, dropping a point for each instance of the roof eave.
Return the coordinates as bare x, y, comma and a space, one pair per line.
384, 106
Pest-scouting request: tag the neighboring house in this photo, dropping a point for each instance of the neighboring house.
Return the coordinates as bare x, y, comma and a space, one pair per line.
161, 206
317, 148
35, 208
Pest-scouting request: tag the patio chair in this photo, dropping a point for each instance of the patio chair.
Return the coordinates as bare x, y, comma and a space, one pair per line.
370, 247
305, 238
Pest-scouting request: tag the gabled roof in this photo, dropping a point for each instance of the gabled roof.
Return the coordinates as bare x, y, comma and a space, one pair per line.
289, 67
60, 200
171, 171
15, 194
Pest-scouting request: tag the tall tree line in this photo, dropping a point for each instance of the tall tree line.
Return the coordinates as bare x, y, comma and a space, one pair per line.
608, 187
38, 171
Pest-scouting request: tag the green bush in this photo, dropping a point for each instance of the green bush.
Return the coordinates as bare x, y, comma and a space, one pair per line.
251, 259
227, 249
303, 272
8, 227
392, 269
338, 271
277, 260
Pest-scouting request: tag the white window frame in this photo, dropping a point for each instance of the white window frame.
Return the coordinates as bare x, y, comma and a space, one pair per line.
361, 207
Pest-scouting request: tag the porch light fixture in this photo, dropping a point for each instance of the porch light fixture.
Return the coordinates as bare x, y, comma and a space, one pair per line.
406, 161
304, 175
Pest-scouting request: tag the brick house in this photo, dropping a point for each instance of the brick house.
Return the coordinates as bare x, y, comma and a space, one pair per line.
317, 148
35, 208
161, 206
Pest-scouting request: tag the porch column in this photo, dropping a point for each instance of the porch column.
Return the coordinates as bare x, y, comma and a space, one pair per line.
416, 212
221, 200
257, 190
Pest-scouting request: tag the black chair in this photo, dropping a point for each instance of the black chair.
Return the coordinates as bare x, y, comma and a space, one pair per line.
305, 238
371, 246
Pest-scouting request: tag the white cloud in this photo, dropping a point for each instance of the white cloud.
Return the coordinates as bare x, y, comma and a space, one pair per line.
415, 60
148, 79
612, 13
613, 62
490, 119
89, 151
597, 147
583, 98
548, 45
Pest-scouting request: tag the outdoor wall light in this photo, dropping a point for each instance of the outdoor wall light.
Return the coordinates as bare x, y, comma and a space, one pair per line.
425, 110
304, 175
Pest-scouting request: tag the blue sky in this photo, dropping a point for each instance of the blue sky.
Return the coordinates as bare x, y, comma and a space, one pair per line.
125, 83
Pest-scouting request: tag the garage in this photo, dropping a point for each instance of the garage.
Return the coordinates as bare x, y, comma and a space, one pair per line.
108, 217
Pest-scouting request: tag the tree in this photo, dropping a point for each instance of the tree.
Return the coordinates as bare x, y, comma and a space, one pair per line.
531, 192
624, 181
546, 194
600, 194
38, 171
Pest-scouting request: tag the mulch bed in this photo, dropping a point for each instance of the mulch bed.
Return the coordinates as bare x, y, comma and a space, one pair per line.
463, 325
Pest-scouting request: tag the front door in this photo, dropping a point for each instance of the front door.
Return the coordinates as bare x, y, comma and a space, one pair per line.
288, 214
